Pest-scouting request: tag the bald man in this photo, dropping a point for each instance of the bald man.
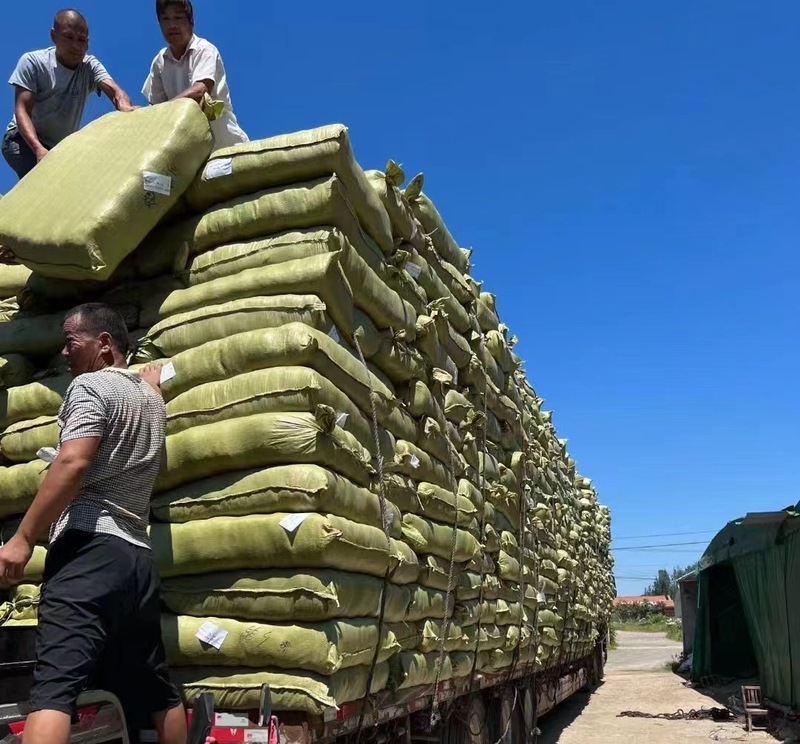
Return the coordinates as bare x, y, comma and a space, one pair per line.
51, 87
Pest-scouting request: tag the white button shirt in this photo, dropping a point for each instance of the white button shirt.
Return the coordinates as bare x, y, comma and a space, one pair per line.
169, 77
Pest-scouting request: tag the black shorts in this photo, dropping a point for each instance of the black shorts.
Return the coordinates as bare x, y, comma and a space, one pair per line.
100, 628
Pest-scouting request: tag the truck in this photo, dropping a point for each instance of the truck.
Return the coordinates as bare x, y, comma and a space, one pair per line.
479, 709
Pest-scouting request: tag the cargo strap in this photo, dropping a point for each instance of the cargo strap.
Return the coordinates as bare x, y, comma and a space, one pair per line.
446, 620
386, 528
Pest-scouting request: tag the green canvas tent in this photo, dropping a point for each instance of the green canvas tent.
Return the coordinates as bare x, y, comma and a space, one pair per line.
748, 613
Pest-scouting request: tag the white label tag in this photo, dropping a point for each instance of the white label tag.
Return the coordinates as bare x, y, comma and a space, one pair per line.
334, 334
231, 719
211, 634
414, 461
291, 522
218, 168
341, 420
414, 269
167, 372
540, 597
157, 184
254, 735
47, 454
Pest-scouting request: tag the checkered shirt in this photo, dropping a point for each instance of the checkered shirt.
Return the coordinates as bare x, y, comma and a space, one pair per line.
130, 419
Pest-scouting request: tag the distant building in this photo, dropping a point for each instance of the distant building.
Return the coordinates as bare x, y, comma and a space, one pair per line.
667, 603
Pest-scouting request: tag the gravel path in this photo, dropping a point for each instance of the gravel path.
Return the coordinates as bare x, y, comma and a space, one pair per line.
636, 679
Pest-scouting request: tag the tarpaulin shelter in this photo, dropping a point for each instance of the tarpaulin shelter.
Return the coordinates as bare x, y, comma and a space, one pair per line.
748, 607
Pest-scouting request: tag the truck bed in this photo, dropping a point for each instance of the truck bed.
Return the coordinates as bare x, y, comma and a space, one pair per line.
17, 659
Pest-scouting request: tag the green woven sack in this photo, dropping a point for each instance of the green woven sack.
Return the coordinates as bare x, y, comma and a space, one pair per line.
240, 689
273, 390
81, 211
294, 344
260, 441
290, 159
13, 279
431, 633
318, 275
413, 669
322, 648
260, 542
19, 484
427, 603
190, 330
431, 538
428, 216
323, 202
281, 595
32, 400
21, 441
285, 488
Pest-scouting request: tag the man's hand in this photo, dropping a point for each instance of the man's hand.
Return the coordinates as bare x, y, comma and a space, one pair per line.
7, 256
14, 556
40, 153
117, 96
151, 374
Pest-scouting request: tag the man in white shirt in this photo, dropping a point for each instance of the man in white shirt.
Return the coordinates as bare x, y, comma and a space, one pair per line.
189, 67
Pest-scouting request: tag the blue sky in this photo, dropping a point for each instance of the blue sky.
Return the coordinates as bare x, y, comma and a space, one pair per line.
628, 174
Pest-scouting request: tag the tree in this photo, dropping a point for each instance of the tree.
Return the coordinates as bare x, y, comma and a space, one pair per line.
666, 583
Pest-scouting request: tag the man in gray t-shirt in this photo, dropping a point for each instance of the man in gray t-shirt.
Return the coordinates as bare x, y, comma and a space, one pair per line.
51, 87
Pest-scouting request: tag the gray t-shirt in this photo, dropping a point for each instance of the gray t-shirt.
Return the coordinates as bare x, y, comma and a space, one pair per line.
61, 93
129, 418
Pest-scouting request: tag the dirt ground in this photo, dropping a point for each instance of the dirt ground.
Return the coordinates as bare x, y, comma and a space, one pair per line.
637, 679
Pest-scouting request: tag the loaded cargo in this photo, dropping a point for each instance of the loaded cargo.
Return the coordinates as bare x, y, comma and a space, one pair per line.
363, 506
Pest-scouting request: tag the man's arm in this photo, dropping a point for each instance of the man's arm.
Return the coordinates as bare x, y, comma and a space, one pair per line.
24, 101
197, 90
104, 82
116, 95
60, 487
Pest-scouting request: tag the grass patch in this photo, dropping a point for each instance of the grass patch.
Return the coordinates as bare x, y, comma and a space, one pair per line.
652, 624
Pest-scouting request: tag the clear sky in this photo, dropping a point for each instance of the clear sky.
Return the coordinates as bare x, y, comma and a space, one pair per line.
628, 173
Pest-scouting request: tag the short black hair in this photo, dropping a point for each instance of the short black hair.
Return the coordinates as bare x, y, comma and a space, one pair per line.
68, 14
97, 318
184, 5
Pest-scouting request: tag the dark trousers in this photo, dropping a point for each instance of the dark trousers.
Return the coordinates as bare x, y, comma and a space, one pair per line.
17, 153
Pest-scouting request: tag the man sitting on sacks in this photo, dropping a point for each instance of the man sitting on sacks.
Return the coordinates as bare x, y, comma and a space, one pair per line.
99, 616
191, 67
51, 87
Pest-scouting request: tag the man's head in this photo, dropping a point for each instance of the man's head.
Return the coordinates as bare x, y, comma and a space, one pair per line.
176, 18
70, 34
95, 338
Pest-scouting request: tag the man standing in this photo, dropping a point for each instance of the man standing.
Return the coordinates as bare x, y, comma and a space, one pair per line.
99, 617
51, 87
190, 67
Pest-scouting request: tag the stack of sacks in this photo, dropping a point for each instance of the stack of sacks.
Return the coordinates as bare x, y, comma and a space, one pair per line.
71, 222
350, 437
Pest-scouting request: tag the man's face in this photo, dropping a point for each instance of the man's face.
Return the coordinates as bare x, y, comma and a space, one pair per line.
83, 352
71, 38
176, 27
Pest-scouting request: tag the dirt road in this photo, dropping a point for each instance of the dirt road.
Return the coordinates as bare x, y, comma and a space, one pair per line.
636, 679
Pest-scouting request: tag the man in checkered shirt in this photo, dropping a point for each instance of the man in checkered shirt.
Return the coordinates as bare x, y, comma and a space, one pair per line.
99, 617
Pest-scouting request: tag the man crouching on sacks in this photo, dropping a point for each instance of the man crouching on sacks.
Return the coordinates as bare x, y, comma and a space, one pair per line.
191, 67
99, 616
51, 87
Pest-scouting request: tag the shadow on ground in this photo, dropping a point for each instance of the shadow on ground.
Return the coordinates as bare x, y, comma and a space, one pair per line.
554, 723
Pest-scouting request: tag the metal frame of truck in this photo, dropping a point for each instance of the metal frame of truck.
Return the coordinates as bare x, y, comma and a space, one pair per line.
402, 716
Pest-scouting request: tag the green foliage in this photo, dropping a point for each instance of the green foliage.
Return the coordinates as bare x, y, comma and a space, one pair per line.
666, 583
639, 611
